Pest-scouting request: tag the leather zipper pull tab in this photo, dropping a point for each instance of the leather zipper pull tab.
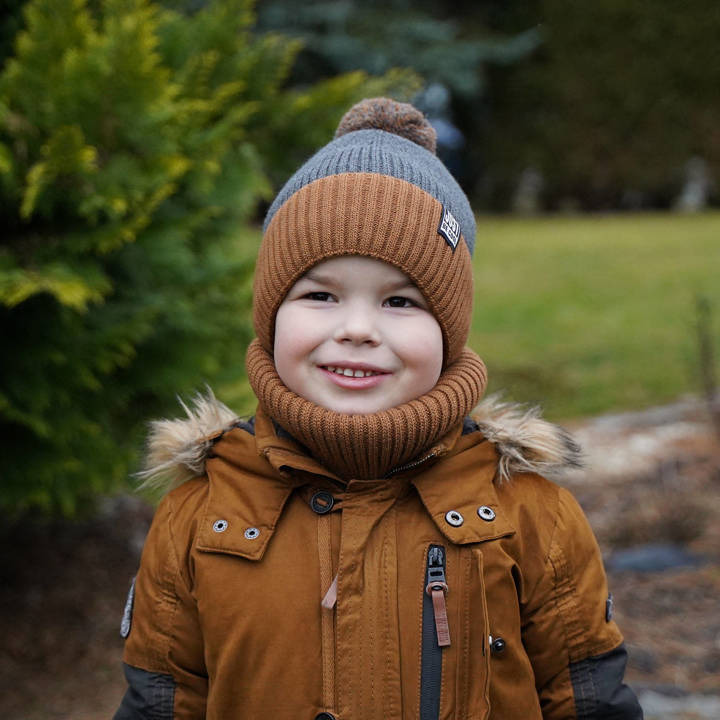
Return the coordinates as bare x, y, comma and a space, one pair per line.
437, 589
330, 599
440, 612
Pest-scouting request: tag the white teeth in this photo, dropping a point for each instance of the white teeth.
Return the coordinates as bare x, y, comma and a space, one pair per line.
347, 372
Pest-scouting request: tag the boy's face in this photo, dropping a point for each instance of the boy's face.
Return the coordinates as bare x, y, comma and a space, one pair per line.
354, 335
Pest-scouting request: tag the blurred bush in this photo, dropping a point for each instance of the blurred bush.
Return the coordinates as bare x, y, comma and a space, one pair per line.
135, 143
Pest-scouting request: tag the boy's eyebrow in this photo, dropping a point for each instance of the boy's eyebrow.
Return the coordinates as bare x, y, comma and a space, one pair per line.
329, 279
316, 276
405, 284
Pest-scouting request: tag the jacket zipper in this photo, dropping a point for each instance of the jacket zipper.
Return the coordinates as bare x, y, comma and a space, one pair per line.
435, 632
410, 465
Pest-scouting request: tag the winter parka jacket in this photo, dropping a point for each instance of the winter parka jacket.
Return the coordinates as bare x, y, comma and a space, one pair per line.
463, 585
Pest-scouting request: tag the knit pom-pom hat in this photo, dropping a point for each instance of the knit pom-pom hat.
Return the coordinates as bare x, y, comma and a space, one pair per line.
377, 190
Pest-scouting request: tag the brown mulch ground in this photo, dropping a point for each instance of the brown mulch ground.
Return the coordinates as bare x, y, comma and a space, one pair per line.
63, 586
670, 495
61, 600
670, 619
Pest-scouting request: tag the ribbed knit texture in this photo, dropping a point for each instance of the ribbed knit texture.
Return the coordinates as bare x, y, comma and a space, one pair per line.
369, 446
382, 153
375, 216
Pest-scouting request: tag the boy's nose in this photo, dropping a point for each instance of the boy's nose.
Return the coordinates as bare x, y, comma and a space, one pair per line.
357, 326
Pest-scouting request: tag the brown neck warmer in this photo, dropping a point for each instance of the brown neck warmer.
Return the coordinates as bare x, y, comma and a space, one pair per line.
369, 446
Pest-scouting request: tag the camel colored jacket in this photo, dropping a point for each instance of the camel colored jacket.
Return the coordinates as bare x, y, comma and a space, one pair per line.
464, 585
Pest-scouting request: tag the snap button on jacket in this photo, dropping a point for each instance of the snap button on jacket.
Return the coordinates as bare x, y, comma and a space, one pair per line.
233, 627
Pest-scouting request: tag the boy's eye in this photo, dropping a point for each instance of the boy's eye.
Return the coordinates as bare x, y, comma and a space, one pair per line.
399, 302
319, 296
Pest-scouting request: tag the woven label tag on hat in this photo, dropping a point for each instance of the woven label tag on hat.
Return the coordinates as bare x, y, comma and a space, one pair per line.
449, 228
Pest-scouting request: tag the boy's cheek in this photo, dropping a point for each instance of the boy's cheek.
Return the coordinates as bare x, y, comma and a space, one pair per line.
295, 341
293, 331
420, 342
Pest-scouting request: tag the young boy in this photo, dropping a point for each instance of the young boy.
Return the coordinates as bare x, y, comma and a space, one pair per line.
364, 548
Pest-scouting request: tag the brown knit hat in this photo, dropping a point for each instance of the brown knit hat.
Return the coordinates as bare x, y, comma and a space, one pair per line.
377, 190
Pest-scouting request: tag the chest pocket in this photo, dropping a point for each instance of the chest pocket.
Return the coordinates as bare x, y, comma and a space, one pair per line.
473, 675
461, 670
465, 684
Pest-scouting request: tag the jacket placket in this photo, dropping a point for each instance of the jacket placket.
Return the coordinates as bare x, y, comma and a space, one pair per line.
367, 636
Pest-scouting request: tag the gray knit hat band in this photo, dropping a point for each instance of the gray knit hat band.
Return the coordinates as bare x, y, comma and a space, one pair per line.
385, 153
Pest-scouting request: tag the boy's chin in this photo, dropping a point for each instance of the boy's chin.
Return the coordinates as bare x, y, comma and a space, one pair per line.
348, 403
356, 406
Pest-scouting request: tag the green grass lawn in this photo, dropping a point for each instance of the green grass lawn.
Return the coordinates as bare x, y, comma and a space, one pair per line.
589, 314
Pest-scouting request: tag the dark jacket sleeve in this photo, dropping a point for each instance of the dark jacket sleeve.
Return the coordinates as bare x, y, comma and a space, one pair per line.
574, 646
163, 658
599, 689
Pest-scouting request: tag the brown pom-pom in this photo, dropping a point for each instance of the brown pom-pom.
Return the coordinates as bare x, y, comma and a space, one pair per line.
394, 117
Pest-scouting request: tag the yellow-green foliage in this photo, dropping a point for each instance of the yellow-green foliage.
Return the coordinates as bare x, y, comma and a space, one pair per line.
135, 143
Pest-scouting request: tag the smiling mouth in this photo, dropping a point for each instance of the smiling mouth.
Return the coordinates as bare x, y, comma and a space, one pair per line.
350, 372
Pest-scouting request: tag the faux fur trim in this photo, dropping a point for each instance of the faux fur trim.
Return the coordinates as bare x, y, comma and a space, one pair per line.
177, 449
524, 441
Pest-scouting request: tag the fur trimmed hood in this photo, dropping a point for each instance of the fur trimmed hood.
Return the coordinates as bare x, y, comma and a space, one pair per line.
177, 449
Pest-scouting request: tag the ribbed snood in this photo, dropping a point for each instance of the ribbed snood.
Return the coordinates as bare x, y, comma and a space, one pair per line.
369, 446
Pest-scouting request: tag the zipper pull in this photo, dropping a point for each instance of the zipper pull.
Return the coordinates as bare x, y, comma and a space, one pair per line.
437, 589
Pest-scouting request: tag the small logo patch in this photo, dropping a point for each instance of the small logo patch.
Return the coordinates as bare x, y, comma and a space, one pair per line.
449, 228
126, 623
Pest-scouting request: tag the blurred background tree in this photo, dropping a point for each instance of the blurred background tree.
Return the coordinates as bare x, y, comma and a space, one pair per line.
616, 101
450, 46
135, 142
606, 104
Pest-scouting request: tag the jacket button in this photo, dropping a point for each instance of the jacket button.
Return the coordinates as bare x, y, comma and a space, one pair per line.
322, 502
497, 646
324, 716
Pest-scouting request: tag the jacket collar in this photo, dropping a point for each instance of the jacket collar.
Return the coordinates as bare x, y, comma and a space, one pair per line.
459, 487
254, 463
178, 449
283, 452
